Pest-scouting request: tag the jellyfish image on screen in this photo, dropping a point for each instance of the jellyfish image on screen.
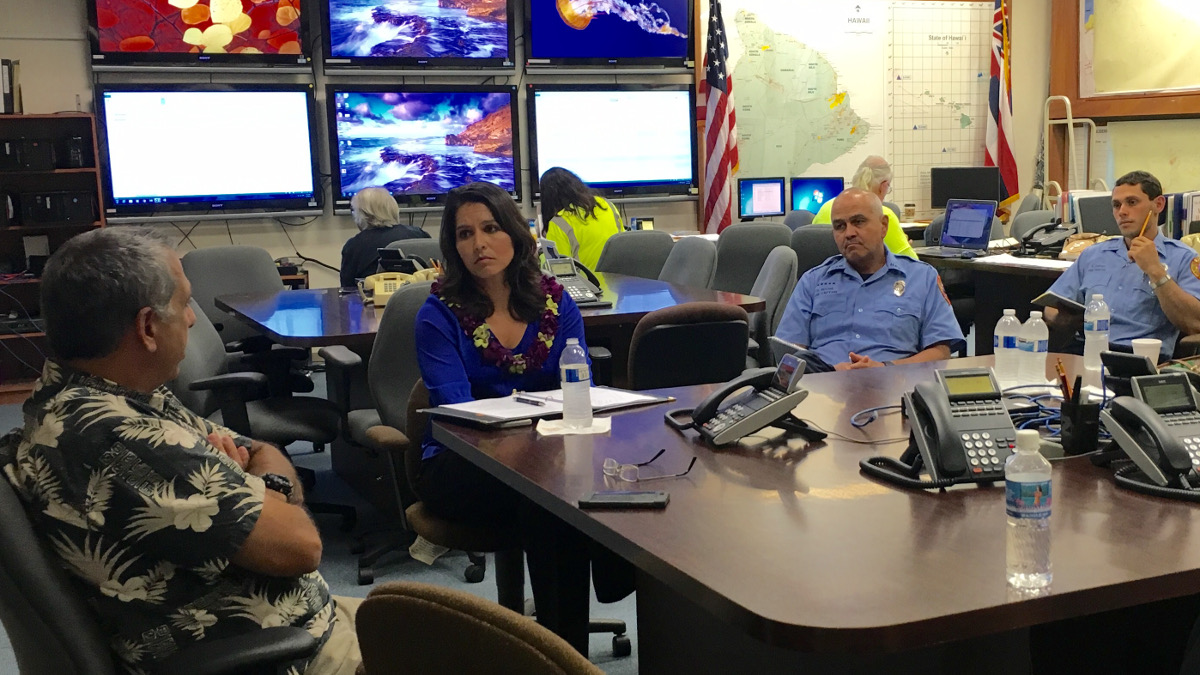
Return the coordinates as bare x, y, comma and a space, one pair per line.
424, 143
464, 29
649, 17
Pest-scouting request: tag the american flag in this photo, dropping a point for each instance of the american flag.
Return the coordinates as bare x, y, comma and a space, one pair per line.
999, 123
720, 126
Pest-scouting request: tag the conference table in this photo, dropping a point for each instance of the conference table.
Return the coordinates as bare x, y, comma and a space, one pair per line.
1009, 283
776, 555
328, 316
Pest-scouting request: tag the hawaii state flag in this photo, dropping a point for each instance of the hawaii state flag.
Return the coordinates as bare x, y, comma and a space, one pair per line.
999, 124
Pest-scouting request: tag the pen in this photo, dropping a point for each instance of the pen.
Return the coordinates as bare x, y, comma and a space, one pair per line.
1062, 379
1145, 223
529, 401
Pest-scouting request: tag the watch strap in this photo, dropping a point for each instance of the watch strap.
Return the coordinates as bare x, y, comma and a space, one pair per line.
1155, 285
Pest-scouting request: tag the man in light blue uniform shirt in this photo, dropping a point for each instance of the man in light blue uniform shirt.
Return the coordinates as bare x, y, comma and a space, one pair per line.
868, 307
1151, 283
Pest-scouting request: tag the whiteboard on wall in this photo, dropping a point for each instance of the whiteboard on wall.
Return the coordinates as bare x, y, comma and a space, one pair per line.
1169, 149
1147, 45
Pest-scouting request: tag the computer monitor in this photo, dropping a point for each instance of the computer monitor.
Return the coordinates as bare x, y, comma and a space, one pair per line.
968, 223
608, 34
963, 182
1094, 213
759, 197
811, 193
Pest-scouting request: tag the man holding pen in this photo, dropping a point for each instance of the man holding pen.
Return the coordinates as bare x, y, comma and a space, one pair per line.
1151, 283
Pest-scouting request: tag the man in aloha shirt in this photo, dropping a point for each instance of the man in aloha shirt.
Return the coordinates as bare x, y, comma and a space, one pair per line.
163, 516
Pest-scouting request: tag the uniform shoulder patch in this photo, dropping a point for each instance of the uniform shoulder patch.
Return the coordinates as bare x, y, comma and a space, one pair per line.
1195, 267
947, 298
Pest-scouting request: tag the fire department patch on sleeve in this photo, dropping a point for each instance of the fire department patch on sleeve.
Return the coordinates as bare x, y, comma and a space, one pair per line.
1195, 267
947, 298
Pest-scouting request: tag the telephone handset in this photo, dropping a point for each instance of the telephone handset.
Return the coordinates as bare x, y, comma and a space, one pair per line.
1048, 236
723, 418
1159, 429
959, 432
583, 287
378, 288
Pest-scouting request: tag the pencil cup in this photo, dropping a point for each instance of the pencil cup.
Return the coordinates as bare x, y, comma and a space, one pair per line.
1080, 430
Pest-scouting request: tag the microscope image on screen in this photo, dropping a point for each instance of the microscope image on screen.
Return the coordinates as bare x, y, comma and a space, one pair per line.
423, 143
436, 29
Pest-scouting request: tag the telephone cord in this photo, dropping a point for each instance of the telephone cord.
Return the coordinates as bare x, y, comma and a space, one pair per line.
1123, 477
890, 470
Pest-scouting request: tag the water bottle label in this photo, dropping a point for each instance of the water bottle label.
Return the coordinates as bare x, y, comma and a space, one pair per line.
1043, 346
1027, 500
995, 342
1010, 341
1025, 345
571, 375
1096, 325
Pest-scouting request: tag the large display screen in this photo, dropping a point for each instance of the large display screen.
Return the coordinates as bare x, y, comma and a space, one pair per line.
208, 148
419, 142
608, 32
197, 32
620, 139
425, 33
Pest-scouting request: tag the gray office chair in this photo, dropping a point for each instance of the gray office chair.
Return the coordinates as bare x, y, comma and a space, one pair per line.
53, 632
443, 630
958, 284
1026, 222
639, 253
813, 245
1029, 202
895, 208
690, 263
742, 249
774, 285
425, 249
243, 402
225, 270
692, 343
798, 218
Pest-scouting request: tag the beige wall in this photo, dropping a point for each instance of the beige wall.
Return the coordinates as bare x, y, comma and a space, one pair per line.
49, 38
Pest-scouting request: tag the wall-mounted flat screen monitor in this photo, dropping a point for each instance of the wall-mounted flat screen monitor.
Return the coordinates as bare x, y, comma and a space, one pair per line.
621, 139
608, 33
197, 33
457, 34
421, 141
963, 182
810, 194
759, 197
210, 148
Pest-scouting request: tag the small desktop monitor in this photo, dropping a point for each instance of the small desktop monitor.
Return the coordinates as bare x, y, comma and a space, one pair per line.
760, 197
963, 182
1094, 213
620, 139
420, 141
207, 148
810, 194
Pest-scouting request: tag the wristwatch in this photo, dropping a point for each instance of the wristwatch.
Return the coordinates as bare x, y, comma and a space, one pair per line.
278, 483
1155, 285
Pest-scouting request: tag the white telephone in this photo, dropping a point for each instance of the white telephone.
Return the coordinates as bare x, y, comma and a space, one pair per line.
378, 288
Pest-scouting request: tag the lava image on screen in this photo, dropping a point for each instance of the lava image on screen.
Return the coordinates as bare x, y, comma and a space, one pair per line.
598, 29
204, 26
421, 143
462, 29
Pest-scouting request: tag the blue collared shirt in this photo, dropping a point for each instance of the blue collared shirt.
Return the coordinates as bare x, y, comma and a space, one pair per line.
1106, 268
895, 313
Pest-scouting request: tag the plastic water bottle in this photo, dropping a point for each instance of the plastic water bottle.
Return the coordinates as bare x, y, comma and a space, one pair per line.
1034, 344
1095, 331
1004, 344
1027, 501
576, 381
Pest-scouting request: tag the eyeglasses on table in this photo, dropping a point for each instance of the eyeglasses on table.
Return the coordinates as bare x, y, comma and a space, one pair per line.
631, 472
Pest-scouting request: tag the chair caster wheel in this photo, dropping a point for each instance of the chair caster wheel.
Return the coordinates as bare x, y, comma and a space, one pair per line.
474, 574
622, 646
366, 576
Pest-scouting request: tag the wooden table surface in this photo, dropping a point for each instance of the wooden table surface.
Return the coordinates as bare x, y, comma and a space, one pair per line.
792, 545
323, 316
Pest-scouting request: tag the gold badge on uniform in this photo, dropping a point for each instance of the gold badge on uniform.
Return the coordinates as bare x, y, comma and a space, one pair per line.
1196, 267
898, 288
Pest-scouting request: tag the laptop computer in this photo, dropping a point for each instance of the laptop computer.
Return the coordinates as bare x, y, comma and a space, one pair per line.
966, 230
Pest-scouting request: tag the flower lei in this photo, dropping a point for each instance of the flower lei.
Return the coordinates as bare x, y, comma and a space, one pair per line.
496, 353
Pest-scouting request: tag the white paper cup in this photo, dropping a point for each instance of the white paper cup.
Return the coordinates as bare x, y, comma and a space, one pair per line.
1148, 347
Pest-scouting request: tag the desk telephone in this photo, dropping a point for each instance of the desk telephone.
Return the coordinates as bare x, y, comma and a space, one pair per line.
774, 393
1045, 238
959, 432
584, 290
1159, 429
378, 288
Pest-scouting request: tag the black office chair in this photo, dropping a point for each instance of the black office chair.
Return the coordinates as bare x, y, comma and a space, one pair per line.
53, 632
243, 402
692, 343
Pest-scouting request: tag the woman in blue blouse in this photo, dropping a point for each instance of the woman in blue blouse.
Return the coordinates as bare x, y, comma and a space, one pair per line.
493, 323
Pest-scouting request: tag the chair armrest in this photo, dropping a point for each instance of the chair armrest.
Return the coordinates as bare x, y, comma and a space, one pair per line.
340, 357
599, 353
232, 390
251, 651
601, 365
1188, 345
387, 438
254, 343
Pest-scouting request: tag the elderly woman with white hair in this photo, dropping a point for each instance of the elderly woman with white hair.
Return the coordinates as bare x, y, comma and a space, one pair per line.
875, 176
378, 218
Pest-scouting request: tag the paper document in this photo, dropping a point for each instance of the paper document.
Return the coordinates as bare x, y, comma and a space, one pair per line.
1050, 299
1008, 259
529, 405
